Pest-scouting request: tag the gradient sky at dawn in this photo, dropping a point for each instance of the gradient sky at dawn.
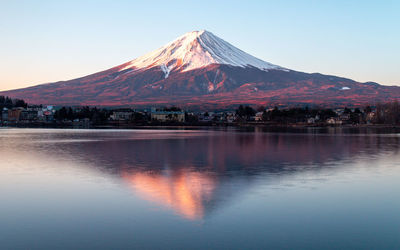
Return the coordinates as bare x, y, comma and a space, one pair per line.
46, 41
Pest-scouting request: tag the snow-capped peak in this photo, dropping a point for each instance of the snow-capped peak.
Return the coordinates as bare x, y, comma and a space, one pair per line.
194, 50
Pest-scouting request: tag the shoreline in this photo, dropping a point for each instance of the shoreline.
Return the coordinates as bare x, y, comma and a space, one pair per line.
198, 126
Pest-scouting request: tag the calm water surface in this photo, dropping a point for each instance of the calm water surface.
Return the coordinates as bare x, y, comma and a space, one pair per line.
175, 189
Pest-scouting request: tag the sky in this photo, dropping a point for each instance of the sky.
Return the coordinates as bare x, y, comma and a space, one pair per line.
47, 41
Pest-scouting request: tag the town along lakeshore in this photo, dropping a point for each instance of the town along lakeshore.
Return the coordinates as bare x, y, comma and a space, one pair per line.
24, 115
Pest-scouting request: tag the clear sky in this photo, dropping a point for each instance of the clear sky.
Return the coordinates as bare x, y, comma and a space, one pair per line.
46, 41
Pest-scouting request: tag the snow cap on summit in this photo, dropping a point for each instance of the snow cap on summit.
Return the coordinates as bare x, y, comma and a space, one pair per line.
194, 50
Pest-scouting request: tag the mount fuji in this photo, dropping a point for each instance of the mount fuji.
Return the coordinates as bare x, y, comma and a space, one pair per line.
200, 70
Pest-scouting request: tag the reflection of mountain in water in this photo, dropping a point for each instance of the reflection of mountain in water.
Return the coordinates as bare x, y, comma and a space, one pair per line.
196, 172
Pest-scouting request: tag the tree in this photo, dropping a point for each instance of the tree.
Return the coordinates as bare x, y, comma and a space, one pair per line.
387, 113
173, 108
8, 103
368, 109
245, 112
347, 111
70, 114
61, 114
20, 103
261, 108
138, 117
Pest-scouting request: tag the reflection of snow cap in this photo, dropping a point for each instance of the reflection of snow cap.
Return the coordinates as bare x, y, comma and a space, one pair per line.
185, 192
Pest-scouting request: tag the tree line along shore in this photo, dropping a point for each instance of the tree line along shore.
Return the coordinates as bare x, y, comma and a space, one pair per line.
16, 112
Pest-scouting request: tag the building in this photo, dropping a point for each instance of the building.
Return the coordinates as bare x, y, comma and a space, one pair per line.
4, 114
164, 116
122, 115
344, 117
14, 114
28, 115
370, 117
311, 120
230, 117
45, 114
334, 121
206, 117
259, 116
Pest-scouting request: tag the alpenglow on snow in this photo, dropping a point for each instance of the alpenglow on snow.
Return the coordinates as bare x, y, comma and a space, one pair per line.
195, 50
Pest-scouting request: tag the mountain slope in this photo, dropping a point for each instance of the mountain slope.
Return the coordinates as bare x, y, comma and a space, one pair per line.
201, 70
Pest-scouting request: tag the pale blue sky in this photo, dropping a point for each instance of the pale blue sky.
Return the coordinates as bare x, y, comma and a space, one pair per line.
45, 41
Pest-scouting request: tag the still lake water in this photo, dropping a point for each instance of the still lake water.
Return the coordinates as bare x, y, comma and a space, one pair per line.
175, 189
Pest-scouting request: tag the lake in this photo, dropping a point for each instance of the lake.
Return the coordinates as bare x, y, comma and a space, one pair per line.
199, 189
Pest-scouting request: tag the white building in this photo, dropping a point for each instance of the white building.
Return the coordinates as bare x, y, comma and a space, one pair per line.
163, 116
